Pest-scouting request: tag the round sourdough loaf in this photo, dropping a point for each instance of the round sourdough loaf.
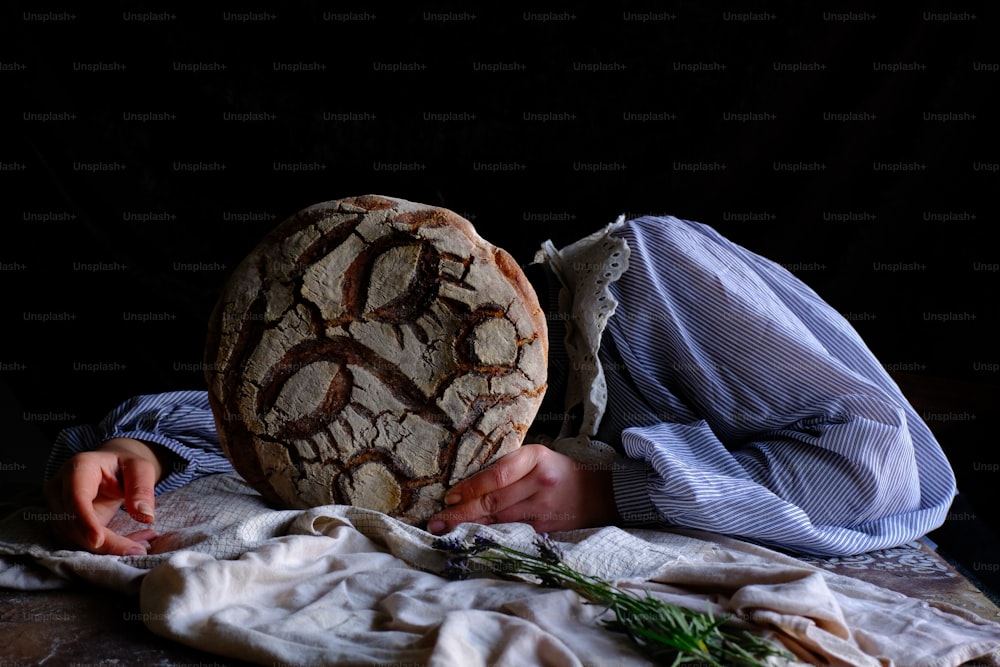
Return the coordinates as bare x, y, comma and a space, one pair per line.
373, 351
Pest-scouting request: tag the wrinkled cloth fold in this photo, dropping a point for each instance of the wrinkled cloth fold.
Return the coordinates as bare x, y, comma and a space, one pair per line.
338, 585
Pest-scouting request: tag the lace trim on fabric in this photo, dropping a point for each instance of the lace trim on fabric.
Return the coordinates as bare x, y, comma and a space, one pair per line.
586, 270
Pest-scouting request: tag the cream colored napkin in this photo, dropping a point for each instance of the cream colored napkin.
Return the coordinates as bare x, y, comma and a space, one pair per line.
341, 585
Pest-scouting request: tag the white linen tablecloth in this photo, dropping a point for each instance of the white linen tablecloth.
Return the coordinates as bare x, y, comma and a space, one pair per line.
338, 585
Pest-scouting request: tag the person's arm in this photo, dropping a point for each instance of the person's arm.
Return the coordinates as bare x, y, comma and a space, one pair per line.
148, 445
179, 422
749, 406
811, 497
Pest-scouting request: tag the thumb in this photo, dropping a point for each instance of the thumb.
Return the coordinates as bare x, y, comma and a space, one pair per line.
138, 483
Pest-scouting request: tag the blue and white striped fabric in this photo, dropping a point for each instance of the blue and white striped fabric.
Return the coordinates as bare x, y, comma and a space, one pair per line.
181, 421
746, 405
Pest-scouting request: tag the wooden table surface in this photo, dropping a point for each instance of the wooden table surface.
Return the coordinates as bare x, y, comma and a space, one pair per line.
87, 627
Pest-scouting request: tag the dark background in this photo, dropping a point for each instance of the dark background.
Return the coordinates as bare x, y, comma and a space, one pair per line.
852, 145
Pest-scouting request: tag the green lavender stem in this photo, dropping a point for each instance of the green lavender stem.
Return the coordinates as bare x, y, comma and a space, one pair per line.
666, 631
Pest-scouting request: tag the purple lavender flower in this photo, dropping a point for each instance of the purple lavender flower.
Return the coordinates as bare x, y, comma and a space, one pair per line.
548, 551
456, 569
483, 543
451, 545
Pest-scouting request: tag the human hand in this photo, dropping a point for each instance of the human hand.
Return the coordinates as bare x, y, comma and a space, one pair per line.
90, 489
534, 485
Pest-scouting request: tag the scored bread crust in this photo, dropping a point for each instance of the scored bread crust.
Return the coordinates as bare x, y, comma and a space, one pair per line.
373, 351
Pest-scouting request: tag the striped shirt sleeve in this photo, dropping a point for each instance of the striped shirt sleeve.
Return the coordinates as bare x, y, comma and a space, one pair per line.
180, 421
746, 405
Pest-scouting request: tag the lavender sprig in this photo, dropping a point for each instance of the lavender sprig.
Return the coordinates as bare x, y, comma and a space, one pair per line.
670, 633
